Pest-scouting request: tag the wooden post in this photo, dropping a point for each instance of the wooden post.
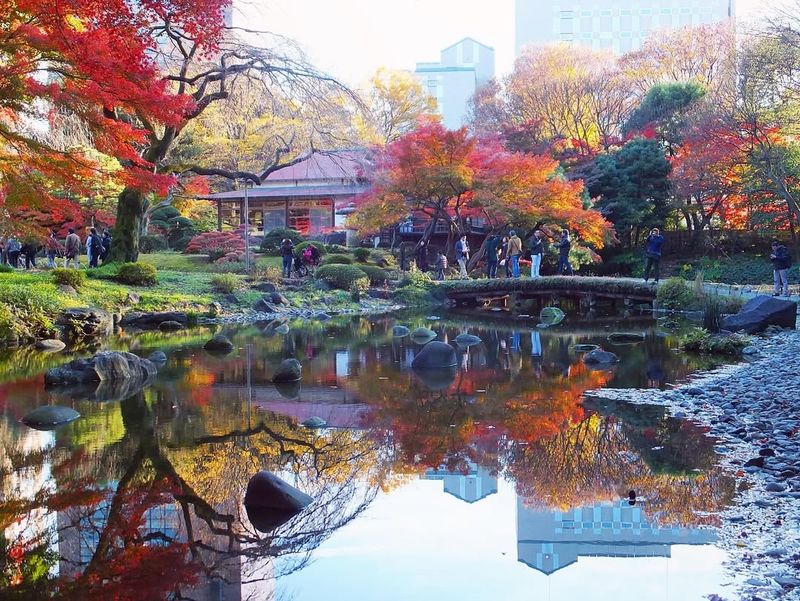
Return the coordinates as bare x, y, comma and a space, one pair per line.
286, 213
219, 215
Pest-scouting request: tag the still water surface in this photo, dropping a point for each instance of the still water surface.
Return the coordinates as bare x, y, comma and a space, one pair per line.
498, 481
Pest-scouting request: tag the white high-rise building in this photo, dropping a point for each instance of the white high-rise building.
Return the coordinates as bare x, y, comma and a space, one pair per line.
462, 69
617, 25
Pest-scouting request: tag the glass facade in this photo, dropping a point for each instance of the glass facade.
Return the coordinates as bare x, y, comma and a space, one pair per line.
309, 217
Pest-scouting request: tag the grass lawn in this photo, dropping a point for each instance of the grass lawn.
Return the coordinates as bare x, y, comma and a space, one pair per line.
174, 261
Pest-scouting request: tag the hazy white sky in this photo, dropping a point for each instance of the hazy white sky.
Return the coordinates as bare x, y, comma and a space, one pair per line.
351, 38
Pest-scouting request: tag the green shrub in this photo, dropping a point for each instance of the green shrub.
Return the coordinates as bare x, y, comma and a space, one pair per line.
6, 268
336, 249
700, 341
69, 277
414, 296
376, 275
151, 244
383, 258
27, 311
358, 289
340, 276
712, 314
739, 269
268, 274
415, 277
337, 260
137, 274
361, 254
272, 239
225, 283
303, 245
674, 294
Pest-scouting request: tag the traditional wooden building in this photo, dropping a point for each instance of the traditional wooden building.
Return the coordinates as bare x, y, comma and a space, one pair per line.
305, 197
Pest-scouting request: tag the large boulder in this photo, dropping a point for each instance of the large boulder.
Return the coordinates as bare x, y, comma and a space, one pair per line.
49, 416
106, 366
85, 322
435, 355
761, 312
265, 490
50, 346
600, 357
152, 321
290, 370
265, 305
219, 344
170, 326
437, 379
157, 358
278, 299
400, 331
270, 502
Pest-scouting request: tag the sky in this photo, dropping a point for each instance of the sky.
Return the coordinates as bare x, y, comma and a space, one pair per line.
352, 38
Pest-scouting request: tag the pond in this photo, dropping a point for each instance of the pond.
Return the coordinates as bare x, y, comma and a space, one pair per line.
496, 480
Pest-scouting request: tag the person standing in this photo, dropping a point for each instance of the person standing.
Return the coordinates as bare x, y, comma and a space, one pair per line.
29, 250
441, 266
95, 245
72, 249
564, 246
653, 246
514, 252
106, 242
53, 248
462, 256
421, 256
287, 256
13, 248
491, 250
781, 262
3, 257
537, 251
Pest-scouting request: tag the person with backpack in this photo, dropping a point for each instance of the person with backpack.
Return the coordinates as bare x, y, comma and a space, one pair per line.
653, 246
564, 246
95, 244
492, 247
462, 256
287, 256
441, 266
106, 241
53, 249
13, 248
781, 262
72, 249
514, 252
29, 250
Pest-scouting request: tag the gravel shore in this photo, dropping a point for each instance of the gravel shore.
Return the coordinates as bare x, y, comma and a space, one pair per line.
753, 408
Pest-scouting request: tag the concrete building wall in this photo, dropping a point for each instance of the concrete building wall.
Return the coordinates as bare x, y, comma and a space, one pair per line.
616, 25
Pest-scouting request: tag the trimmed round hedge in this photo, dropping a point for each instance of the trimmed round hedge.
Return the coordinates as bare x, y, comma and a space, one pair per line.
137, 274
341, 277
376, 275
337, 260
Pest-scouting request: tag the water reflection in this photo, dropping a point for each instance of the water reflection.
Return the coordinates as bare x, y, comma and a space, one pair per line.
142, 498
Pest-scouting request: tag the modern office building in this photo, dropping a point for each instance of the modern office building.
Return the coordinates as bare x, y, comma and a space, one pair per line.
472, 486
617, 25
462, 69
551, 540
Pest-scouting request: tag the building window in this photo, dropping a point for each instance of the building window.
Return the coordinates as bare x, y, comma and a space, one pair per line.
311, 217
626, 23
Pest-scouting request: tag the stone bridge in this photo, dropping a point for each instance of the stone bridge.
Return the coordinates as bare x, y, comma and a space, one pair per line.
589, 291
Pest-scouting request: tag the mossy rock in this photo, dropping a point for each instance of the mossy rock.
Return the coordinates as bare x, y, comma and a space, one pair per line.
49, 417
423, 335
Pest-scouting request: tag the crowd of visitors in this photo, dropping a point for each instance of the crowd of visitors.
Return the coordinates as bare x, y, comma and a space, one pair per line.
19, 254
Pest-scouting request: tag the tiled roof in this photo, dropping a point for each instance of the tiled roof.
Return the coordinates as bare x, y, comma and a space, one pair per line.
341, 164
281, 192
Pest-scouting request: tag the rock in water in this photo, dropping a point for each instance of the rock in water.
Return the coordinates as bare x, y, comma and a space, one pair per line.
760, 312
219, 344
314, 422
85, 323
157, 357
585, 348
466, 340
400, 331
266, 491
422, 335
625, 338
435, 355
150, 321
290, 370
49, 416
106, 366
598, 357
170, 326
50, 346
282, 329
278, 299
437, 379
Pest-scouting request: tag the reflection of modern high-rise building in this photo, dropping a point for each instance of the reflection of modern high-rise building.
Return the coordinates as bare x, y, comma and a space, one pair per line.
471, 486
618, 25
550, 540
461, 70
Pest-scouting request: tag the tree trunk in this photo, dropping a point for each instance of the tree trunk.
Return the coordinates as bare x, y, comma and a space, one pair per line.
130, 210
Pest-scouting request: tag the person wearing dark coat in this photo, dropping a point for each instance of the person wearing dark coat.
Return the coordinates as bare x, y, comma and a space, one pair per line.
421, 257
653, 246
29, 249
564, 245
781, 262
95, 244
106, 241
491, 250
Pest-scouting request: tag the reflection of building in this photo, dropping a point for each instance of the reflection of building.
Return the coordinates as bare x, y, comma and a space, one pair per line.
461, 70
303, 197
550, 540
618, 25
472, 486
